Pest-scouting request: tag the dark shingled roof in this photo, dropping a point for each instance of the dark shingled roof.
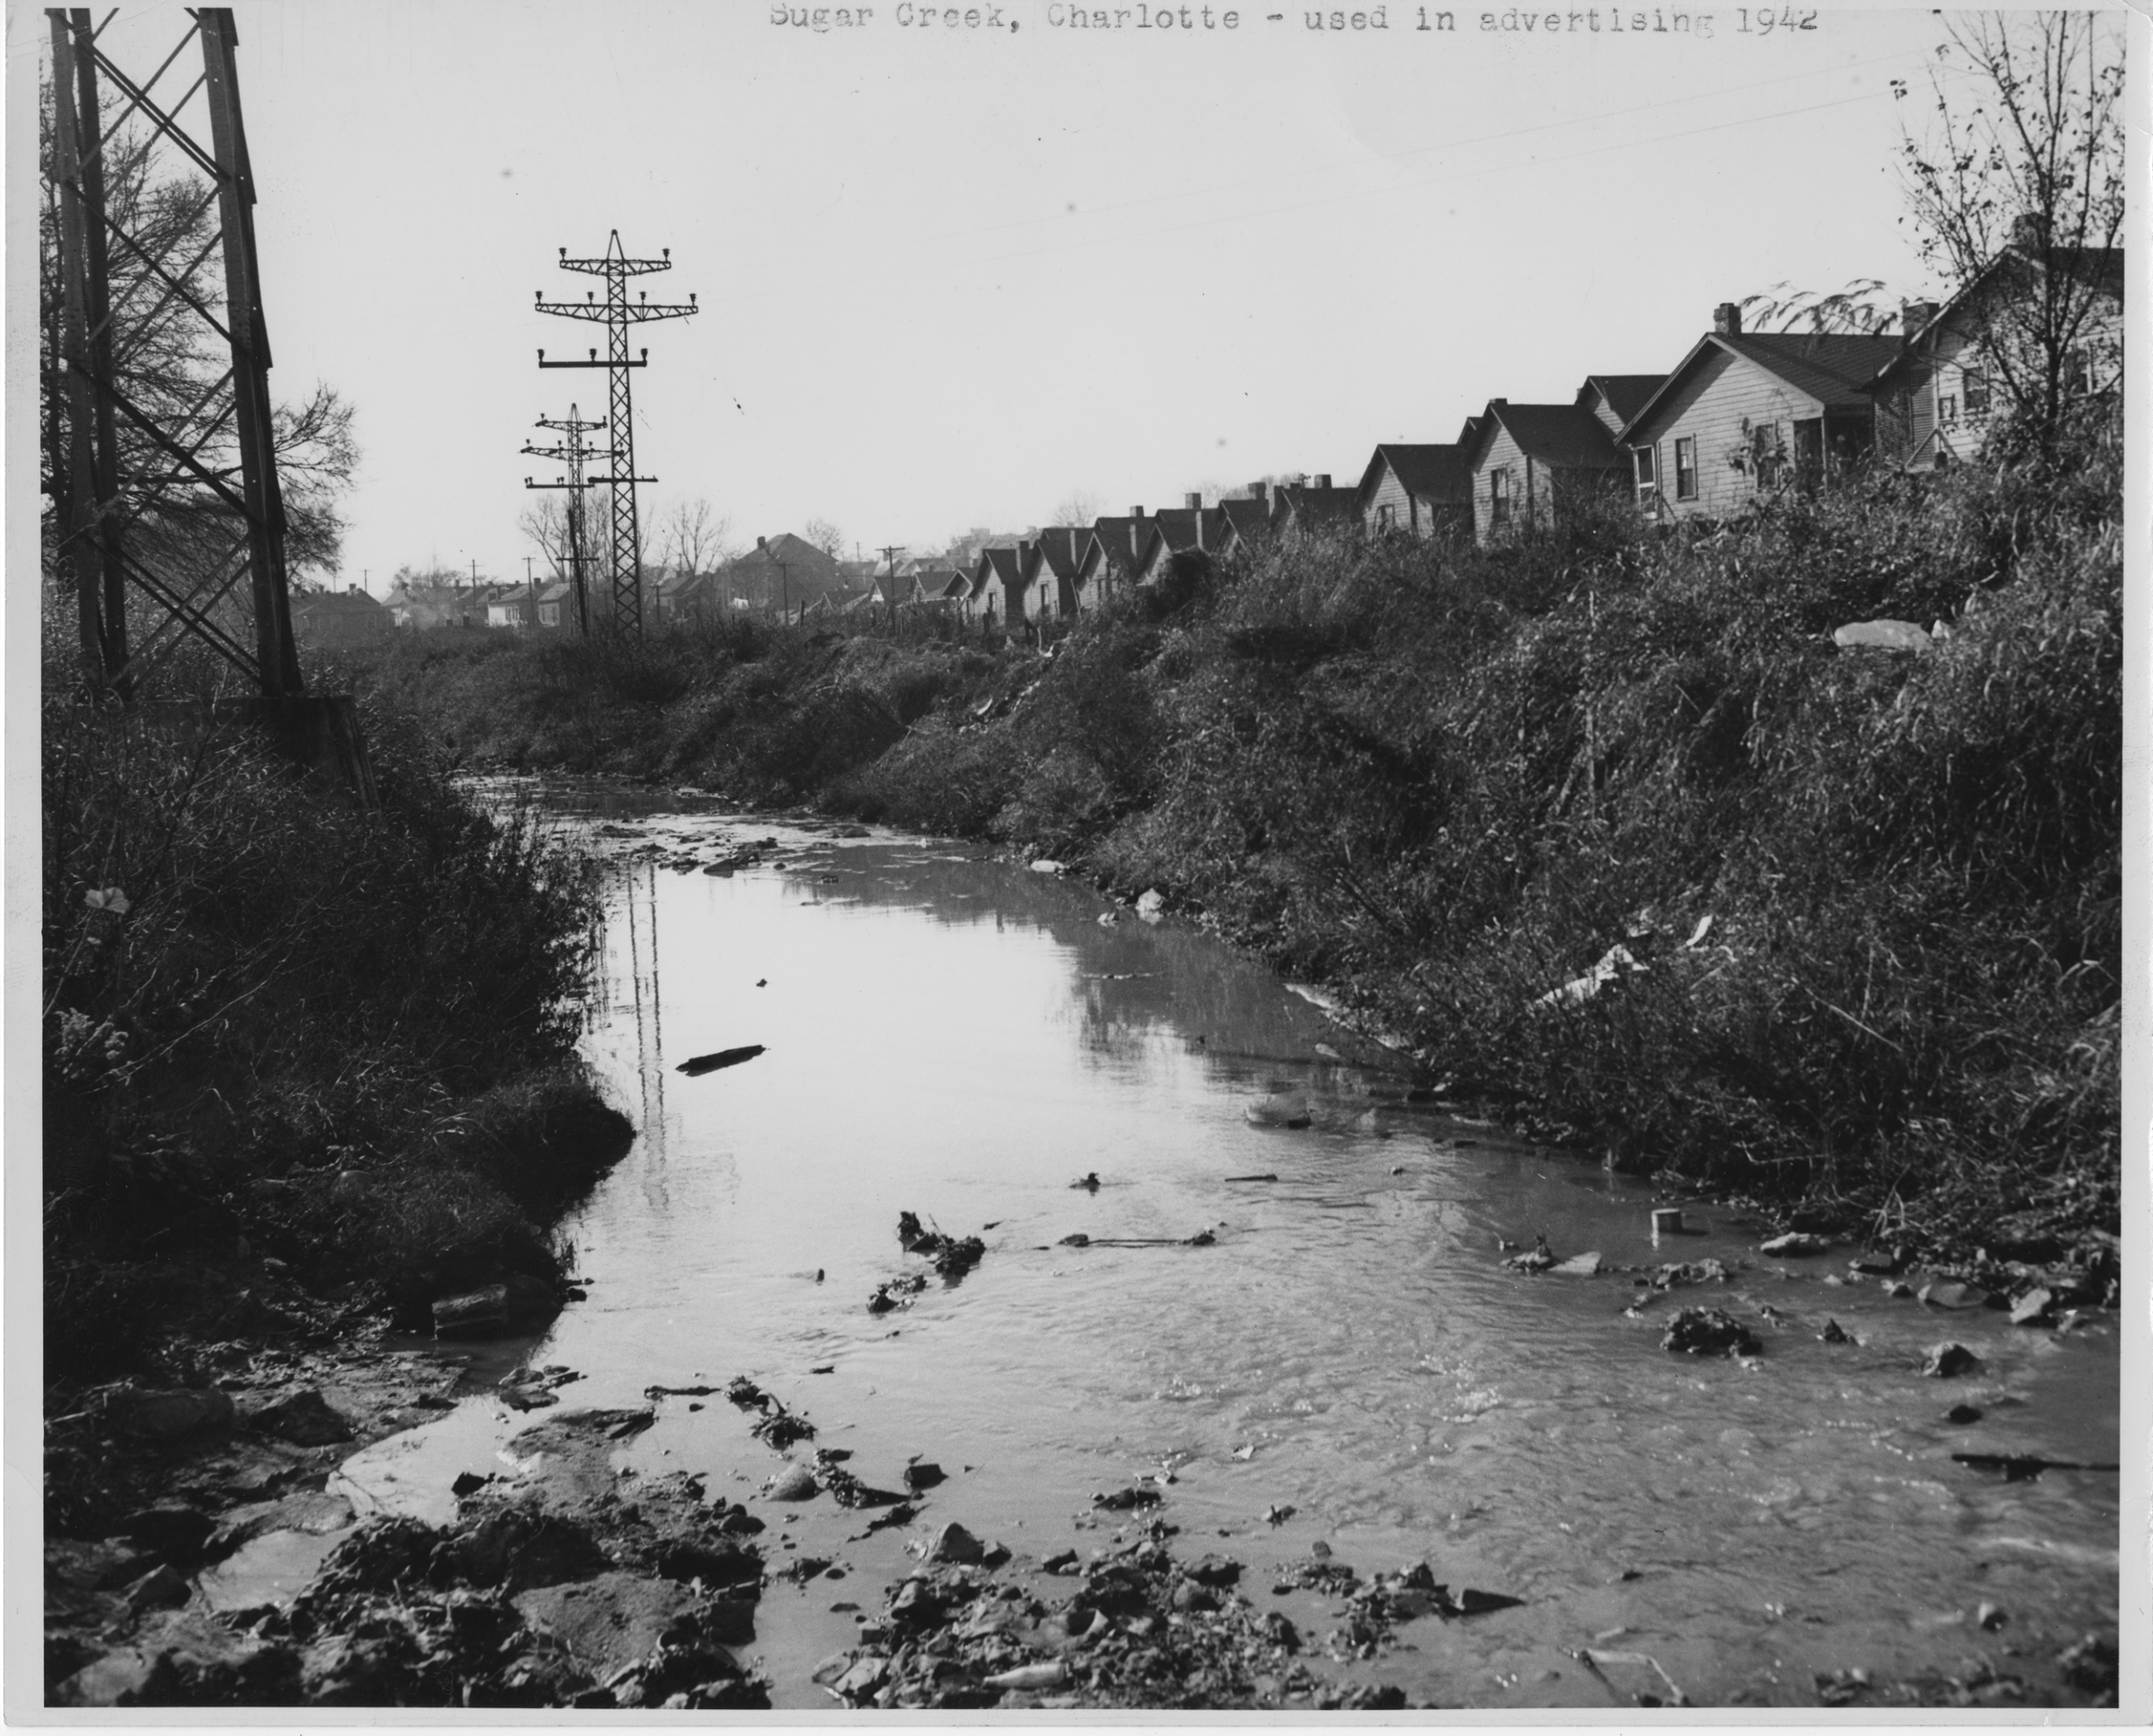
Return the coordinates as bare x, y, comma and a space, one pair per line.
335, 602
1061, 548
1006, 565
1562, 436
1247, 519
1626, 393
1431, 472
1304, 503
1830, 367
1115, 542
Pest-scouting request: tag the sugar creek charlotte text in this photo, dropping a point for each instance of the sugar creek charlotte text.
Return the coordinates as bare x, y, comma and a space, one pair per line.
1588, 20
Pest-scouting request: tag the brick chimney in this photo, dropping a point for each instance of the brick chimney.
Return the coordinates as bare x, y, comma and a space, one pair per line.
1193, 502
1136, 512
1727, 320
1323, 480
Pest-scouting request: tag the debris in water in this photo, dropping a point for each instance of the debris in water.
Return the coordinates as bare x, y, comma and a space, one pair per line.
953, 1256
1122, 1500
1539, 1259
1795, 1244
1277, 1513
1709, 1333
1596, 1661
1963, 1414
923, 1474
1089, 1182
778, 1426
1267, 1175
1584, 1265
1835, 1333
701, 1064
888, 1295
1947, 1361
2021, 1467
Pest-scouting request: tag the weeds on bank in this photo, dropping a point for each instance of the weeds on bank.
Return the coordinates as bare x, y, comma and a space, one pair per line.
261, 1006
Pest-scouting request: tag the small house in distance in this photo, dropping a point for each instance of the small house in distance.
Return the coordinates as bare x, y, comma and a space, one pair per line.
557, 605
1939, 396
1532, 462
1314, 504
339, 617
1415, 491
1746, 413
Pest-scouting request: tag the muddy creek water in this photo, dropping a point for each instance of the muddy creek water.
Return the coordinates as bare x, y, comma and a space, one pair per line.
963, 1039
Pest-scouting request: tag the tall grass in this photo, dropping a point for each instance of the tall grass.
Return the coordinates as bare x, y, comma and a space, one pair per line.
1876, 895
265, 1008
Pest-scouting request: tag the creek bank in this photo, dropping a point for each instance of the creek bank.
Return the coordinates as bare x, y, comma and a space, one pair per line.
280, 1359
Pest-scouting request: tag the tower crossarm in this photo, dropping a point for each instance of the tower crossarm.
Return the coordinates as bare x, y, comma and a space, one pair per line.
604, 312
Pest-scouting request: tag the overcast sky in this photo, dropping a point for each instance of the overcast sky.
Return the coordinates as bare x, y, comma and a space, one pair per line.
949, 277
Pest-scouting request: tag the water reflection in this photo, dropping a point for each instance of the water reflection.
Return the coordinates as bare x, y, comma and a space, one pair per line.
948, 1035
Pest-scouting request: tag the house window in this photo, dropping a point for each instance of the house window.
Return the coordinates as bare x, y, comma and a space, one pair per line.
1648, 471
1947, 410
1976, 388
1686, 467
1386, 517
1498, 496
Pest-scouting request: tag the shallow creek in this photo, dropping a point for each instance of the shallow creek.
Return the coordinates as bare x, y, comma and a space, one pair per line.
963, 1039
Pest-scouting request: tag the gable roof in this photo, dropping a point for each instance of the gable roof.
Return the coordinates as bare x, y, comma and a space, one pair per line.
1061, 548
1242, 519
1124, 541
1624, 394
1428, 473
2101, 268
997, 562
1562, 436
1835, 368
1304, 503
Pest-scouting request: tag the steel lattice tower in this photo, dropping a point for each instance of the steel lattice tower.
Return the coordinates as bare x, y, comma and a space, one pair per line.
573, 453
616, 312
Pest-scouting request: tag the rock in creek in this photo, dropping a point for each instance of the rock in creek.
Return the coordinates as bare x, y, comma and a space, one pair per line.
304, 1417
1283, 1109
1795, 1244
1709, 1333
795, 1484
1947, 1361
496, 1309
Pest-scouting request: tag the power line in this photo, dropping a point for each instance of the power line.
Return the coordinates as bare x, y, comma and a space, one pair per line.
617, 313
575, 454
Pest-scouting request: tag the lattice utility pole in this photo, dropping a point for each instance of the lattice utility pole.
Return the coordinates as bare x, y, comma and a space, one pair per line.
616, 312
187, 505
575, 454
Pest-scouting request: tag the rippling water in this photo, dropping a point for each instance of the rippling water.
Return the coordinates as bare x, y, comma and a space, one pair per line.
963, 1039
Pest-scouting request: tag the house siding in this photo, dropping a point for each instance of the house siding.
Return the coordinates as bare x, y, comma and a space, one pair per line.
1719, 406
1502, 451
1407, 513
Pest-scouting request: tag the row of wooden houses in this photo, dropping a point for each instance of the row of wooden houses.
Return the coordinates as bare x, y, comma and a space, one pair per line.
1740, 417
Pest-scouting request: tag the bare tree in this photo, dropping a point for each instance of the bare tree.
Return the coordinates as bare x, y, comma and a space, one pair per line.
825, 536
545, 525
1079, 507
694, 537
2019, 188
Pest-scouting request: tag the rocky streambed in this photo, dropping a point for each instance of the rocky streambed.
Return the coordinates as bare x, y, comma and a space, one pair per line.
1057, 1312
